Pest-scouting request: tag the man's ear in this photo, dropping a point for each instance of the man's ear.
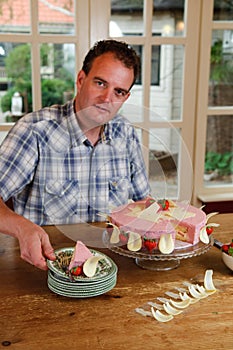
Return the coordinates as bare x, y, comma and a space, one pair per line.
80, 78
127, 96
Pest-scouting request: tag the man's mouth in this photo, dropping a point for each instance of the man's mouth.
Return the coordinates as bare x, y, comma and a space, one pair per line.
102, 108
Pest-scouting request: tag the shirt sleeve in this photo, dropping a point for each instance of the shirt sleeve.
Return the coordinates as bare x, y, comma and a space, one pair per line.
18, 156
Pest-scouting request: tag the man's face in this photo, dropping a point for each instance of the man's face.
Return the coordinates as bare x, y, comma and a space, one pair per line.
103, 91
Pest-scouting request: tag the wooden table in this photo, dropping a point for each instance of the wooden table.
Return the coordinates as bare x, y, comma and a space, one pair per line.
32, 317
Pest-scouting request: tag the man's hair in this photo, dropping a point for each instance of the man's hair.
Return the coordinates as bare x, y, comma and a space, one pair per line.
122, 51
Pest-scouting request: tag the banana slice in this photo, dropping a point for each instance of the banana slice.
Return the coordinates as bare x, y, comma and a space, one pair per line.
204, 237
143, 312
159, 316
181, 304
134, 242
204, 291
208, 216
172, 295
185, 296
157, 306
115, 234
171, 310
90, 265
208, 281
213, 224
166, 243
194, 292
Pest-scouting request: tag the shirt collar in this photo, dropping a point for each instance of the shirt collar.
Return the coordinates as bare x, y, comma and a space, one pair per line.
76, 134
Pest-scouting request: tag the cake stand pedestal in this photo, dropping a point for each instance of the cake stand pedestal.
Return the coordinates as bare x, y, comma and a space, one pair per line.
157, 265
157, 261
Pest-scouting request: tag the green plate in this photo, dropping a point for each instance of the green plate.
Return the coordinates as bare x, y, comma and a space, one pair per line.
81, 293
105, 268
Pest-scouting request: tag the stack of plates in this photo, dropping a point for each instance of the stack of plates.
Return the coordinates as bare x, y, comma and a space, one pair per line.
81, 286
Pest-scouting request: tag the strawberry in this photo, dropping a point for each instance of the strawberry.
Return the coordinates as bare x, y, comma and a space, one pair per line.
164, 204
231, 244
77, 270
209, 230
150, 244
123, 238
225, 248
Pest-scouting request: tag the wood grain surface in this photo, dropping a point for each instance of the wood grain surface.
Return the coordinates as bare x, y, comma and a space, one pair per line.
32, 317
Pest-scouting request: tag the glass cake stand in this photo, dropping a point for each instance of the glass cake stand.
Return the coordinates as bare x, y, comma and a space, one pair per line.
157, 261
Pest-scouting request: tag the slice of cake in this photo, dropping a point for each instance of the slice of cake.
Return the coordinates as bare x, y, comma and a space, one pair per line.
80, 256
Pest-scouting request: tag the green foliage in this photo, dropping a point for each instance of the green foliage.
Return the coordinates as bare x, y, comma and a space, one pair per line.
52, 91
223, 163
18, 65
221, 64
6, 100
18, 68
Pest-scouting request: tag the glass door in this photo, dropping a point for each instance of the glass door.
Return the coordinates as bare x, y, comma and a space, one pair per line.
162, 103
214, 155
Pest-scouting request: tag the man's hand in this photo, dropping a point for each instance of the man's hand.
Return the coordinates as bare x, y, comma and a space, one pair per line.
34, 242
35, 246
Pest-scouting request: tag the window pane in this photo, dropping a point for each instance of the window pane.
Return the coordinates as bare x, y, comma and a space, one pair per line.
168, 17
221, 69
223, 10
166, 83
126, 18
219, 150
57, 73
15, 16
15, 81
164, 145
56, 17
3, 135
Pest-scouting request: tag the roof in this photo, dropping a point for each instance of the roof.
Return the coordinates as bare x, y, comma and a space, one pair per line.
17, 12
135, 5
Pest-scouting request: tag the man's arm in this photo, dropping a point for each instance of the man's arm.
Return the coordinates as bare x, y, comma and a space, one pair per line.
34, 242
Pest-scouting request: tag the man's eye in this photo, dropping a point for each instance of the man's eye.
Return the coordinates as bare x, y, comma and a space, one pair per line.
120, 92
99, 83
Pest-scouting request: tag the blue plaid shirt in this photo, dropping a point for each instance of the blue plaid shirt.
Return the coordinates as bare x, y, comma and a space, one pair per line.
56, 176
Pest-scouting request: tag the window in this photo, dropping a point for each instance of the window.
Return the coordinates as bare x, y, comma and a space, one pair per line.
41, 61
215, 156
182, 102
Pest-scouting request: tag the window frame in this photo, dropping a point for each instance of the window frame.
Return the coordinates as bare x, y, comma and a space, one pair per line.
222, 192
92, 19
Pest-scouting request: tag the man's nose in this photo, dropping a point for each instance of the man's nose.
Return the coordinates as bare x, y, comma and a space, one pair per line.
107, 95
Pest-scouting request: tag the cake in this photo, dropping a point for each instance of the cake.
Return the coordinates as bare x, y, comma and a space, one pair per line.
80, 255
164, 225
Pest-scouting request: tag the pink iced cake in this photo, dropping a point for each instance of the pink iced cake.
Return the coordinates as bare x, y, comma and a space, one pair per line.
80, 255
163, 225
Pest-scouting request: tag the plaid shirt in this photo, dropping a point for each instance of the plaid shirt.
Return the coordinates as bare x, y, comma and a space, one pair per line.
56, 176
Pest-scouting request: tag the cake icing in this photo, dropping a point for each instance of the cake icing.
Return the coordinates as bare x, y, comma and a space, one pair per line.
80, 255
151, 220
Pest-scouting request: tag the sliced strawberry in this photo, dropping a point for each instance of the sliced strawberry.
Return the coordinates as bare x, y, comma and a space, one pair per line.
77, 270
164, 204
123, 238
225, 248
209, 230
150, 244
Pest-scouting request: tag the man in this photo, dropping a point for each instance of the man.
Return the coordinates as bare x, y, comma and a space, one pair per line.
68, 164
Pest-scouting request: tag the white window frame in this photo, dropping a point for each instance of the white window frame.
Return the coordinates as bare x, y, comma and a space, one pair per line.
92, 19
81, 30
201, 193
190, 42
